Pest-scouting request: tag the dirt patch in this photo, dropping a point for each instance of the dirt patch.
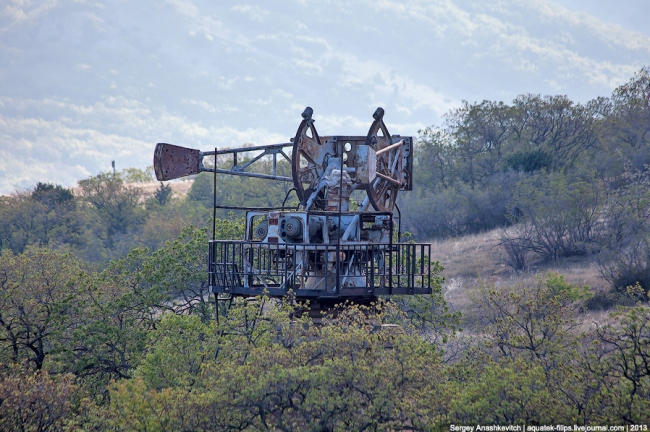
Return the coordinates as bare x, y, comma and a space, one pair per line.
179, 187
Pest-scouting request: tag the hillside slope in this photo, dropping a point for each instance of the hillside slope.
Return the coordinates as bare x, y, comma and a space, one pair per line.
471, 258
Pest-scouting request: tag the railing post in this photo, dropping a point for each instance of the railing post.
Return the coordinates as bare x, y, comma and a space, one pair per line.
390, 270
372, 270
414, 260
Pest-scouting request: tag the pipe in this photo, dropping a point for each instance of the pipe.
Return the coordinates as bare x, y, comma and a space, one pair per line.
355, 220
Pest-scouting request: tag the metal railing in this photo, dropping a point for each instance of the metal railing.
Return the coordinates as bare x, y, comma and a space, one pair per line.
323, 270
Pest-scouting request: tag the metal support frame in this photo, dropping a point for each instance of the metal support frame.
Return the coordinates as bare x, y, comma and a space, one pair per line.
235, 169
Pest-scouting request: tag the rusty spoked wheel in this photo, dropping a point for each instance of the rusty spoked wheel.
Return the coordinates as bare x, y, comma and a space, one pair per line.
307, 159
382, 191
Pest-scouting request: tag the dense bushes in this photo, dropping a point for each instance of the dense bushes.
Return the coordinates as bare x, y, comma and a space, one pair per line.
557, 216
562, 179
106, 219
381, 367
458, 210
554, 216
34, 401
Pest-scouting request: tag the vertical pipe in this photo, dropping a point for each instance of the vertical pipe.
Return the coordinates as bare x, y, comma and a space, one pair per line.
214, 196
234, 269
210, 267
355, 220
399, 224
428, 266
339, 235
295, 268
216, 304
326, 266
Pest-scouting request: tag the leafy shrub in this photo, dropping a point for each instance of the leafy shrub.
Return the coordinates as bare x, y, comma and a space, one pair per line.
33, 401
559, 217
625, 252
529, 161
627, 265
517, 245
459, 210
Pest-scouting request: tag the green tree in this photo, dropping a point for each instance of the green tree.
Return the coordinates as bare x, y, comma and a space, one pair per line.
38, 305
179, 347
628, 338
34, 401
559, 214
533, 320
163, 194
429, 315
116, 205
624, 124
179, 269
119, 310
166, 223
349, 374
508, 391
480, 132
135, 175
46, 216
434, 160
554, 125
625, 256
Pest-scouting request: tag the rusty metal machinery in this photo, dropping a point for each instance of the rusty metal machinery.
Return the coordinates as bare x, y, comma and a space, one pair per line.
324, 250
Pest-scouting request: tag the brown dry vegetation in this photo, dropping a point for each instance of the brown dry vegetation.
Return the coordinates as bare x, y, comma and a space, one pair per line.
179, 188
470, 259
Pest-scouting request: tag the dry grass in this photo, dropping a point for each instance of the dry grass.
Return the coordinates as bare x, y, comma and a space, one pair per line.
466, 260
179, 187
470, 256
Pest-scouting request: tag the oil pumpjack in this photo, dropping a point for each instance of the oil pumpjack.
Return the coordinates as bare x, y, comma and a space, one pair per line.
322, 250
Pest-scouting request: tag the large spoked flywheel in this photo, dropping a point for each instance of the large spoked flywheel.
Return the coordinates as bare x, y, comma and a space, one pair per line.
309, 158
382, 191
